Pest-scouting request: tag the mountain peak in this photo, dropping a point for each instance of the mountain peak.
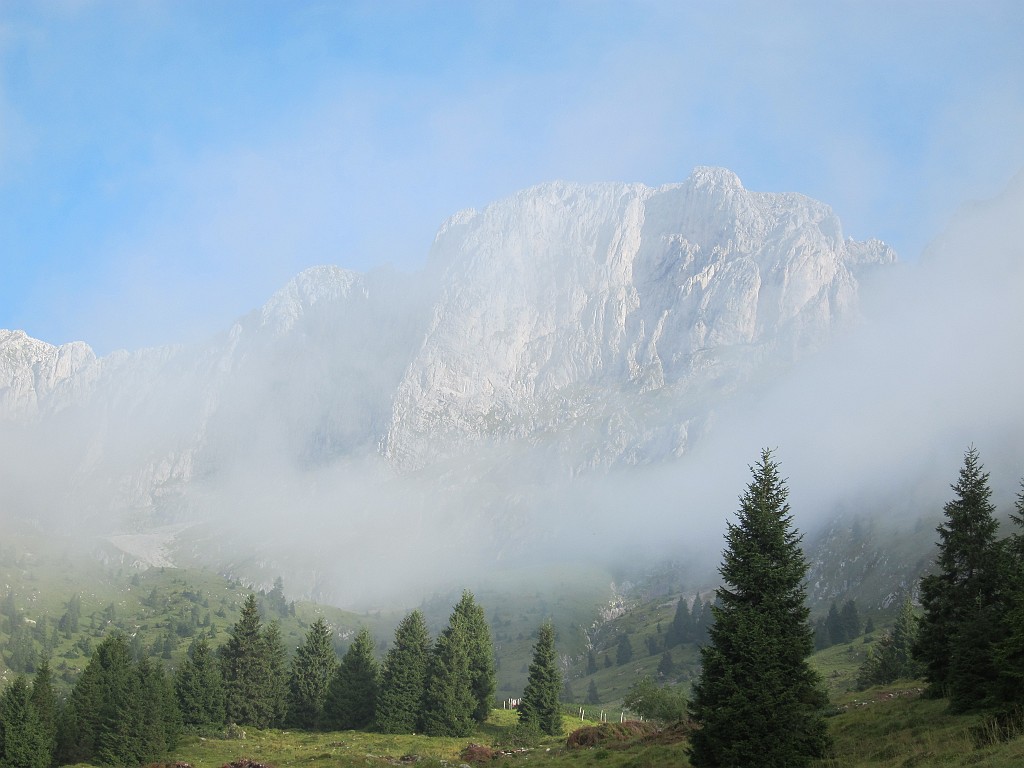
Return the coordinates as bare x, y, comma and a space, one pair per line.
714, 176
309, 287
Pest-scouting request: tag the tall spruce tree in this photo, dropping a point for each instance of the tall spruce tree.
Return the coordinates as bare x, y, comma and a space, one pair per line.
960, 624
44, 699
681, 629
836, 626
481, 655
246, 670
851, 619
891, 658
312, 668
448, 701
758, 702
403, 677
24, 741
351, 701
277, 677
198, 687
623, 650
159, 719
540, 705
1009, 649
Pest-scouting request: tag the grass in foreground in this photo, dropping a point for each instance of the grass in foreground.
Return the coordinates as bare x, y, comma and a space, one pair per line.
886, 727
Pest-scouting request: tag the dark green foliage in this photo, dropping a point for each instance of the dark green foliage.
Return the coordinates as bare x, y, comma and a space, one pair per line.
253, 688
568, 695
21, 652
666, 667
681, 629
836, 626
757, 701
24, 741
312, 668
851, 619
891, 659
351, 701
68, 623
624, 650
404, 676
1008, 651
448, 701
481, 655
821, 634
44, 699
119, 713
655, 702
540, 703
198, 687
593, 697
959, 599
159, 720
591, 662
277, 677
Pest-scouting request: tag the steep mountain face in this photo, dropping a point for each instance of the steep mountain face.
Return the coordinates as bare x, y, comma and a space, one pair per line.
565, 302
604, 322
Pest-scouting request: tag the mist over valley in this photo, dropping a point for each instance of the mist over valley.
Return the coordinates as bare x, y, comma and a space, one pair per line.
578, 377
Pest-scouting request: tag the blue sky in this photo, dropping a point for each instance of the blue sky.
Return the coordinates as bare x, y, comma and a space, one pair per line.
166, 166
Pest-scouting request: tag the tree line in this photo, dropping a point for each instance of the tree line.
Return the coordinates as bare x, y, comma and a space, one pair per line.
125, 709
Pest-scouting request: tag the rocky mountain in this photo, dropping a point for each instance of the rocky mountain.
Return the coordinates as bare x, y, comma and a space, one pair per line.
567, 331
603, 322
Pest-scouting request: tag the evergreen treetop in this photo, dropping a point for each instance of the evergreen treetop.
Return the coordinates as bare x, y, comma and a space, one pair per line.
959, 597
312, 668
448, 700
481, 654
351, 701
540, 704
403, 676
757, 700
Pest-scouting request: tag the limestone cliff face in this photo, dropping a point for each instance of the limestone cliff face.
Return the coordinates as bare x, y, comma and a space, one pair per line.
565, 297
600, 324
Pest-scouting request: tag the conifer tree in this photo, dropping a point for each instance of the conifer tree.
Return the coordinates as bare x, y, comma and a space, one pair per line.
758, 702
666, 666
1008, 650
44, 699
351, 701
198, 687
277, 677
24, 742
404, 676
624, 650
700, 620
158, 717
249, 681
448, 701
891, 659
312, 668
540, 705
591, 662
593, 697
120, 716
851, 619
836, 626
481, 655
681, 629
960, 626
